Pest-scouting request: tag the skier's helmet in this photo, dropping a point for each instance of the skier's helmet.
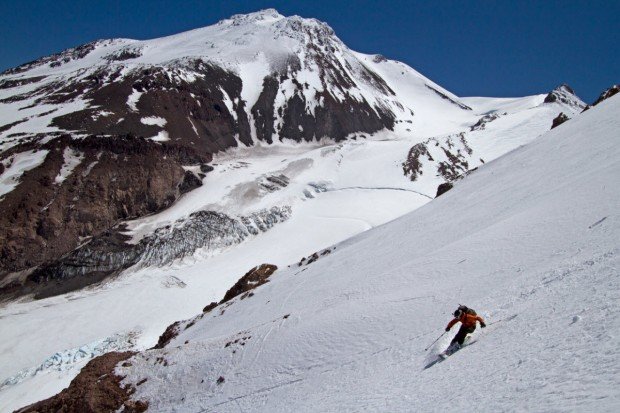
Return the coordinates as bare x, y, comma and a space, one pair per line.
458, 313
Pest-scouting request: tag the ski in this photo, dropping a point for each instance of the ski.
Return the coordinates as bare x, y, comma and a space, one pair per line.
447, 353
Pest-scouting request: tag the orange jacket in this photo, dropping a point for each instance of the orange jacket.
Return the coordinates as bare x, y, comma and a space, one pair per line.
468, 320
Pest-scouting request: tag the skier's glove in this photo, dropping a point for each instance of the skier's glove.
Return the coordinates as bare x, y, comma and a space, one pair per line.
483, 325
447, 328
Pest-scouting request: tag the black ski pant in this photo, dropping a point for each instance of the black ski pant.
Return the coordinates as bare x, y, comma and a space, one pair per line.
460, 336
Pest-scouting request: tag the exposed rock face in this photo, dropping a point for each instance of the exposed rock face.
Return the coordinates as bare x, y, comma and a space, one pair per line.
84, 187
453, 148
168, 335
110, 252
315, 256
191, 111
560, 119
199, 100
96, 389
607, 93
443, 188
446, 97
255, 277
412, 167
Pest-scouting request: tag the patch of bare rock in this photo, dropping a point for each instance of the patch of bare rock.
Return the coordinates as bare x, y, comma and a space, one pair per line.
96, 389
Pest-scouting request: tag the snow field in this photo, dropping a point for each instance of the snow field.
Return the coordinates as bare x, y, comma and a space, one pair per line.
363, 187
537, 257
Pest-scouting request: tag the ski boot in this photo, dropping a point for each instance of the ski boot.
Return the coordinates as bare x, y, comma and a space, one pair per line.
453, 348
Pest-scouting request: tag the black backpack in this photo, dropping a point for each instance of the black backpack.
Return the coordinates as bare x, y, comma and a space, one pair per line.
466, 310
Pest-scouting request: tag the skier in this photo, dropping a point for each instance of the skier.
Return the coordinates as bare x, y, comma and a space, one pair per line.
468, 318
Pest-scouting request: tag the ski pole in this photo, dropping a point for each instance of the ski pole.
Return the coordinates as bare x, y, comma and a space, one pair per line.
426, 349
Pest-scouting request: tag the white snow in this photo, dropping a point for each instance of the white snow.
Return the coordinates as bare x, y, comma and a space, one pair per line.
161, 136
16, 165
378, 295
103, 113
253, 74
132, 100
365, 188
72, 158
533, 247
90, 166
37, 118
193, 126
153, 120
229, 104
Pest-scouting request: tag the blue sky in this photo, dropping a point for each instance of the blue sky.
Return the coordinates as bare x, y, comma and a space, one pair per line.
484, 48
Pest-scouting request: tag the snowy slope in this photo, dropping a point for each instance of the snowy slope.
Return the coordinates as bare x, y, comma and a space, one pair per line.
335, 189
534, 249
364, 186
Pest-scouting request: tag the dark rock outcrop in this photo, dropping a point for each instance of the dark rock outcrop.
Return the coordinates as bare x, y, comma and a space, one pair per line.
116, 178
455, 148
558, 120
412, 167
607, 93
168, 335
96, 389
443, 188
190, 181
194, 113
446, 97
483, 121
255, 277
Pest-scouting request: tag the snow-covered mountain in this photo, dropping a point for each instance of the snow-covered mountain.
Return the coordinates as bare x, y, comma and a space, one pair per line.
529, 240
72, 122
180, 163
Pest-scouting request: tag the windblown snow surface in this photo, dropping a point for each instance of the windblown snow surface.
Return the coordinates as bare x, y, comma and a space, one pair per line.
529, 240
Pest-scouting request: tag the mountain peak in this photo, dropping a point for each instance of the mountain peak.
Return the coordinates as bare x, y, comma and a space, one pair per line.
566, 95
295, 27
565, 89
265, 15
